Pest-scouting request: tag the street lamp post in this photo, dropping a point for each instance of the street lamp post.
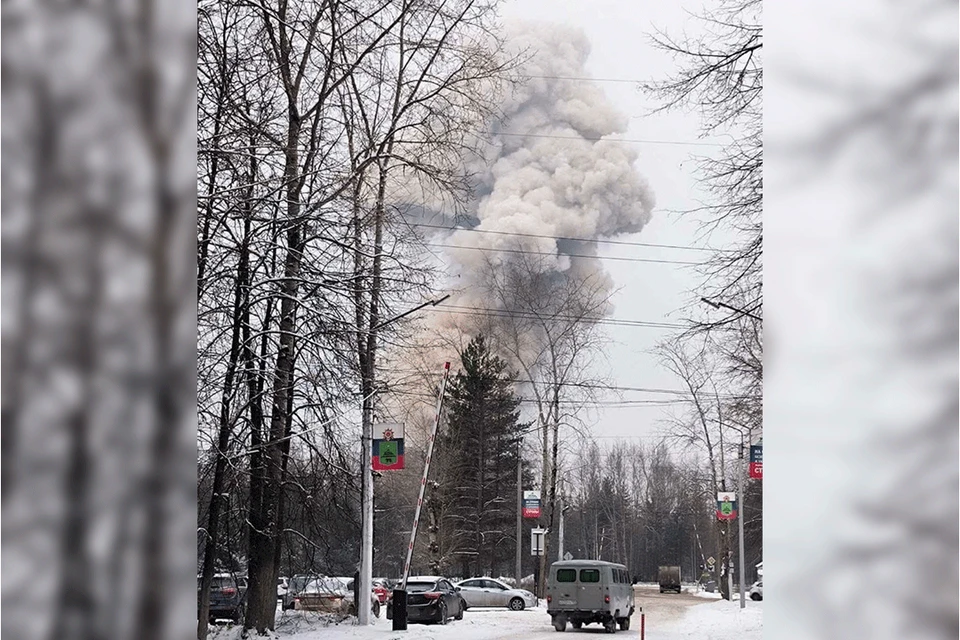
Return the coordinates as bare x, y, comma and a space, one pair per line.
740, 518
366, 530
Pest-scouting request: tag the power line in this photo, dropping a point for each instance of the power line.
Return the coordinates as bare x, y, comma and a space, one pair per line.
570, 255
501, 313
681, 143
622, 243
585, 385
624, 80
590, 404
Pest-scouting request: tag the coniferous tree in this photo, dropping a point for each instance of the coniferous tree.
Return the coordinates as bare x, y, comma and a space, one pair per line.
481, 453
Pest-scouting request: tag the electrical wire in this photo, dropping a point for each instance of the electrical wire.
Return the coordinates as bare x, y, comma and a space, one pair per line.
529, 315
622, 243
569, 255
680, 143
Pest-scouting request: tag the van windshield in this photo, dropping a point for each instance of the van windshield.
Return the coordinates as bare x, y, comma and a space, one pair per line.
589, 575
566, 575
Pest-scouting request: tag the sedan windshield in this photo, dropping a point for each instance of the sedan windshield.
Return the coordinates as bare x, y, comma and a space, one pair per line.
420, 587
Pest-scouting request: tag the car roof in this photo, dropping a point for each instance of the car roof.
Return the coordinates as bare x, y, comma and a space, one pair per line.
483, 578
587, 563
425, 578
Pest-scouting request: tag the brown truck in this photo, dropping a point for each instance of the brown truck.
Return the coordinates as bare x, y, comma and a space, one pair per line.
669, 578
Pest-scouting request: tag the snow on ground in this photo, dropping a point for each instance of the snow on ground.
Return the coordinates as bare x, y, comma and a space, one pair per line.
719, 620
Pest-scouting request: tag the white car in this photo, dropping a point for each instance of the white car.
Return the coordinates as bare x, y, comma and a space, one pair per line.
756, 591
487, 592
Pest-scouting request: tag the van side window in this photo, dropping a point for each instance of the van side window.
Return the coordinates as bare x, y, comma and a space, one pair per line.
620, 576
566, 575
589, 575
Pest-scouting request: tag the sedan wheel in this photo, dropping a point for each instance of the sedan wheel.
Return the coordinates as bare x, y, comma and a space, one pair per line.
516, 604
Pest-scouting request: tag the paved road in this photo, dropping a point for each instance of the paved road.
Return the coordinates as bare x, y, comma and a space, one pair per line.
659, 609
661, 612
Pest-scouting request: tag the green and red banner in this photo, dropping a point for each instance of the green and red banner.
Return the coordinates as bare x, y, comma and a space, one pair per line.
387, 447
726, 505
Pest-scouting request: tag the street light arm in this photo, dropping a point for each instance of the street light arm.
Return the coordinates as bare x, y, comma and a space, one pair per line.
428, 303
719, 305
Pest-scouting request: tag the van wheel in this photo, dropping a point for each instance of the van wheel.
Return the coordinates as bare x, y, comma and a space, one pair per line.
610, 625
560, 623
624, 624
516, 604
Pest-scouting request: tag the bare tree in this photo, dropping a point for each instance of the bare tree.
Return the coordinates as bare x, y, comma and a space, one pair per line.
547, 328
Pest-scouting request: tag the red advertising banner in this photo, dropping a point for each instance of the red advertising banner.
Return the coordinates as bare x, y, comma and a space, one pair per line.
531, 504
756, 461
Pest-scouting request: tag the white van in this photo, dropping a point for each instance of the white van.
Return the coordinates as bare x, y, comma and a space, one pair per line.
586, 591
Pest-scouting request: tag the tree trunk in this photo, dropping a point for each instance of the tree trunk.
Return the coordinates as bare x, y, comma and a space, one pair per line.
264, 516
240, 318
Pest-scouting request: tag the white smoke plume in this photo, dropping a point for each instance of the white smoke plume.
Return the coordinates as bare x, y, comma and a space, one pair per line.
551, 168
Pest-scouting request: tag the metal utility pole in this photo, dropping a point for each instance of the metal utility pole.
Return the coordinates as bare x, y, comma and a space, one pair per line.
560, 530
740, 517
366, 532
519, 567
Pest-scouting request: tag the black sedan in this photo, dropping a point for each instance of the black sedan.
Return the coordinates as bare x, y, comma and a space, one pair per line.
431, 599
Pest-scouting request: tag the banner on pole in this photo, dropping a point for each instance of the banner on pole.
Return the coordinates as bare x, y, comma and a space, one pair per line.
387, 446
531, 504
756, 461
726, 505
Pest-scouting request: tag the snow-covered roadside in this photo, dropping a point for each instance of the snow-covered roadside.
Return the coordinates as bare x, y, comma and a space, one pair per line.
721, 620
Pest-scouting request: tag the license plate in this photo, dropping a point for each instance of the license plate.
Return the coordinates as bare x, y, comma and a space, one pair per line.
568, 602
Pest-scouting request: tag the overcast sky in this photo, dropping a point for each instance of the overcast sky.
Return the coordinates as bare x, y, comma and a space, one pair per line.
622, 56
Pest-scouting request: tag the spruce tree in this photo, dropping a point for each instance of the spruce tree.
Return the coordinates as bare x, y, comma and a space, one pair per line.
481, 455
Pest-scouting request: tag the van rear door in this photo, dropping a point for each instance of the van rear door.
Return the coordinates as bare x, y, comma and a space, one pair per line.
590, 590
565, 596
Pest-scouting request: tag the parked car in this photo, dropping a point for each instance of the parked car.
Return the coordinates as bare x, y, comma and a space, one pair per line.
374, 601
586, 591
282, 586
756, 591
383, 588
294, 586
325, 594
228, 596
431, 599
669, 579
487, 592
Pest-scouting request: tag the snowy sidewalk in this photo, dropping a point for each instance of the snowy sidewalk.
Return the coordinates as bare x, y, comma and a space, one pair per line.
716, 620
